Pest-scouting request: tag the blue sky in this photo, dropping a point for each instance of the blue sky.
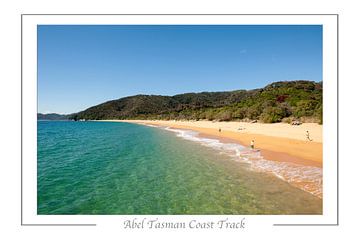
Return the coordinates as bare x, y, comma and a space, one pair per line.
81, 66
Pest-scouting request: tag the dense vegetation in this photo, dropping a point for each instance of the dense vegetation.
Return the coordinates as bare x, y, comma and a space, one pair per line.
53, 116
281, 101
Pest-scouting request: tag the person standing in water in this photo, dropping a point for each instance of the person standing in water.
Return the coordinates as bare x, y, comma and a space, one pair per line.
252, 144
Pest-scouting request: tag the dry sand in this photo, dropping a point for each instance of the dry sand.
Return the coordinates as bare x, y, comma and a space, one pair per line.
279, 141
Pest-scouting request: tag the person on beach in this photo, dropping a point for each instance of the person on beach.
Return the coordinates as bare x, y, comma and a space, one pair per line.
308, 135
219, 129
252, 144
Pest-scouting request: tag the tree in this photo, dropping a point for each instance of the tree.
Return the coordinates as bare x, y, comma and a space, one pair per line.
305, 108
273, 114
224, 115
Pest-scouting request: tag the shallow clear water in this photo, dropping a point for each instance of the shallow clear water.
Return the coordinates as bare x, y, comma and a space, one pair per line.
122, 168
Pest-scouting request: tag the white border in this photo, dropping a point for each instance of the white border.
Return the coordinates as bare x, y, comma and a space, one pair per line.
29, 130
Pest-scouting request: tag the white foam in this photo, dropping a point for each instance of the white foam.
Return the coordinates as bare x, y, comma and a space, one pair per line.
150, 125
306, 178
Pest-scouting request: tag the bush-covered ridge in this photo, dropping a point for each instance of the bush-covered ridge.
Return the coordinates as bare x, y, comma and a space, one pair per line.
52, 116
279, 101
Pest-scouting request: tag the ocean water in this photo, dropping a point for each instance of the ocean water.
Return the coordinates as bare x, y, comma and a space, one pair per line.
123, 168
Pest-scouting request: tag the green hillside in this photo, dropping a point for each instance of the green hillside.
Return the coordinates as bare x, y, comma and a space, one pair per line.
52, 116
279, 101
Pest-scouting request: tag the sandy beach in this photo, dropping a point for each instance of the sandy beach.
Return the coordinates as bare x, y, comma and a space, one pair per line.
279, 142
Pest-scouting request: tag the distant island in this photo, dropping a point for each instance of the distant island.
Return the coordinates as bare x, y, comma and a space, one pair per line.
284, 101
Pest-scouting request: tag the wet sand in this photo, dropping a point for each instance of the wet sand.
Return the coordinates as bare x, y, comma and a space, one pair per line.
278, 142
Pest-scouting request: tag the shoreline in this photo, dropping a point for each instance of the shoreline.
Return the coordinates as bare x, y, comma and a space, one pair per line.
298, 162
276, 148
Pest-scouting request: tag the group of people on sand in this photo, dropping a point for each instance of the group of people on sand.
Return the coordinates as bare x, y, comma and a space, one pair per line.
252, 143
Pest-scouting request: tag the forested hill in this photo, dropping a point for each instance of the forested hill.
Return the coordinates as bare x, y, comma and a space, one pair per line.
53, 116
279, 101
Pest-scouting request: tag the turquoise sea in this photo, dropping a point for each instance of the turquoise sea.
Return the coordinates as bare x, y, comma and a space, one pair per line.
123, 168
